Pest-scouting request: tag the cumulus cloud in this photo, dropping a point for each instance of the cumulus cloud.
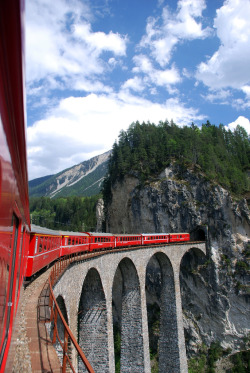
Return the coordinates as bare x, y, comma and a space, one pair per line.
163, 34
241, 121
82, 127
61, 44
158, 77
229, 65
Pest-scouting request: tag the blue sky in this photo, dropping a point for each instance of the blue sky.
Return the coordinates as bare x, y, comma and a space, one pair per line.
95, 66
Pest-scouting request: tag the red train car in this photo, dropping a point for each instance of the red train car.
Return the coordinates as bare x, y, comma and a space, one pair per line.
101, 241
14, 202
44, 248
123, 240
72, 242
179, 237
155, 238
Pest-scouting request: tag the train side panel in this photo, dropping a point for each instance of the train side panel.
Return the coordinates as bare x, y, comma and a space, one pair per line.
179, 237
155, 238
74, 243
127, 240
100, 241
44, 249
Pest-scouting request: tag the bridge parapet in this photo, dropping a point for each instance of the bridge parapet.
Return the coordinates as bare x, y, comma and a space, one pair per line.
132, 265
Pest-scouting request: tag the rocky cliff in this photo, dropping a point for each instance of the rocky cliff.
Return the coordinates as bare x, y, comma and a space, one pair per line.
215, 290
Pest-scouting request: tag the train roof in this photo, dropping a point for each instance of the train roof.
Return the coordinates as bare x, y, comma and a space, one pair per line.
68, 233
43, 230
127, 235
154, 234
99, 234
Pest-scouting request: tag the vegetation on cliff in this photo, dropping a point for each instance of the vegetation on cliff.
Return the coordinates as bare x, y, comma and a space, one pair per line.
146, 149
72, 213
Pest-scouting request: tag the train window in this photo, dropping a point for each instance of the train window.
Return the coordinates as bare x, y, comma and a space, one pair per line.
40, 244
36, 244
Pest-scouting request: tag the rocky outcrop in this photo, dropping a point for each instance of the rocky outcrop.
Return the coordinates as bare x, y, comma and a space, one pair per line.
99, 215
215, 290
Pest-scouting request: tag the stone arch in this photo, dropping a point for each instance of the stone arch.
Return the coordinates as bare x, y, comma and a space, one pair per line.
160, 282
92, 323
195, 299
126, 297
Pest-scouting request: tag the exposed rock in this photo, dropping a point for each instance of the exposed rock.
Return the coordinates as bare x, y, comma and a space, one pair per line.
99, 215
215, 290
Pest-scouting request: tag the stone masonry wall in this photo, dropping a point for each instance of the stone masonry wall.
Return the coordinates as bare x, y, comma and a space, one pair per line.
72, 284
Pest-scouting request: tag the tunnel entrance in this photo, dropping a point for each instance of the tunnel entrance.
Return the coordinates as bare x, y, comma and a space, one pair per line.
200, 233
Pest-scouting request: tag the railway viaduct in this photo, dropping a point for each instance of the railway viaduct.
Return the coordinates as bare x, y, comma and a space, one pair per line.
86, 295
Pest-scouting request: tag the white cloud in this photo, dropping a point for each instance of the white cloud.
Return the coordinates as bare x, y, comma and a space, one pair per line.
246, 90
60, 44
221, 96
242, 121
155, 76
99, 41
229, 65
81, 127
163, 34
136, 84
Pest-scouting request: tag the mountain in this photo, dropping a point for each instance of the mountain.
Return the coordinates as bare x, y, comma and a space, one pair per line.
84, 179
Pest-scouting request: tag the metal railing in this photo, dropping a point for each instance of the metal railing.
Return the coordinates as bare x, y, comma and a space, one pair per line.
56, 314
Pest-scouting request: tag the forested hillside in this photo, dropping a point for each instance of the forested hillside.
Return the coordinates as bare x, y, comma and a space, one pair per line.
146, 149
72, 214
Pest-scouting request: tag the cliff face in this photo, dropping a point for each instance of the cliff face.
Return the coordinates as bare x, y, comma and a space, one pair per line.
215, 291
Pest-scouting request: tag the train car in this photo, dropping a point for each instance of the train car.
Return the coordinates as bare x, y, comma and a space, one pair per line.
14, 201
72, 242
179, 237
44, 248
100, 241
155, 238
126, 240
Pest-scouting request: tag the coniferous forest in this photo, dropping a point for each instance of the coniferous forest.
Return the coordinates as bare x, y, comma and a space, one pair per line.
146, 149
76, 214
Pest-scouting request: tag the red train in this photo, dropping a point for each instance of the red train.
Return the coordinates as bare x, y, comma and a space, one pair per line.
24, 250
14, 201
47, 245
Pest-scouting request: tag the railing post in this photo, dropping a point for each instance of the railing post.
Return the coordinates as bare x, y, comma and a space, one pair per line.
55, 326
65, 350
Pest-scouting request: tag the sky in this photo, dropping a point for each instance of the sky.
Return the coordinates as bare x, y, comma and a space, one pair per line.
93, 67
